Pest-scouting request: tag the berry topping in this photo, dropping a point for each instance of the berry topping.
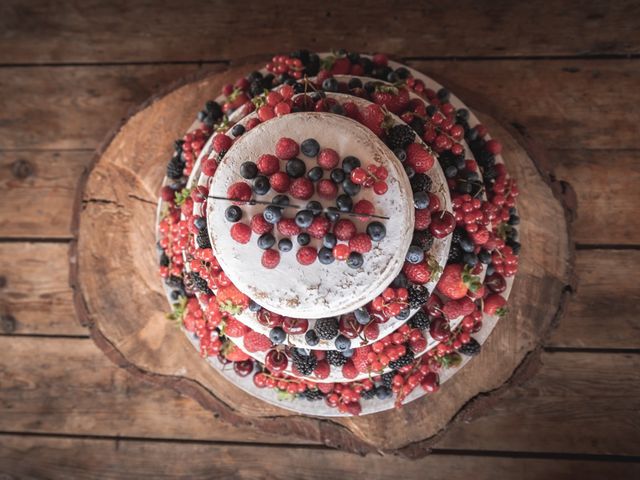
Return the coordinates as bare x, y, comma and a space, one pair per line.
306, 255
287, 148
268, 164
310, 147
328, 158
301, 188
239, 191
241, 233
344, 229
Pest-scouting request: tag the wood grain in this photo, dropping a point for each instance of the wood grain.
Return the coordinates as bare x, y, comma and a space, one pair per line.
69, 387
120, 31
62, 458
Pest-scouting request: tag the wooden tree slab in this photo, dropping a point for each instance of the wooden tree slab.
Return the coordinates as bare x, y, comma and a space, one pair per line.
119, 297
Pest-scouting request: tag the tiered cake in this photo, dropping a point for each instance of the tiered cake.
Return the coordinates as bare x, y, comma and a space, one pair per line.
337, 233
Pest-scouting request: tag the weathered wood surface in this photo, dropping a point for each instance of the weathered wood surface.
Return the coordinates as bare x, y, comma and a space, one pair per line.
123, 31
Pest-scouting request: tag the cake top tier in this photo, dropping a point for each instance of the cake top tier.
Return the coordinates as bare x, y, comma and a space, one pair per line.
312, 279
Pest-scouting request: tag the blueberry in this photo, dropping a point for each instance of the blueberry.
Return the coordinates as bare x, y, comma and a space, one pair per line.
200, 223
409, 171
272, 214
266, 241
325, 256
344, 203
295, 168
237, 130
329, 240
285, 245
233, 213
277, 335
355, 260
337, 175
315, 207
337, 109
514, 220
392, 77
310, 147
280, 200
248, 170
349, 163
330, 85
421, 200
362, 316
400, 281
332, 214
490, 269
303, 239
261, 185
254, 307
451, 171
311, 337
304, 218
315, 174
376, 231
382, 392
348, 353
350, 188
342, 343
404, 314
470, 259
484, 257
466, 244
355, 83
402, 73
415, 254
400, 154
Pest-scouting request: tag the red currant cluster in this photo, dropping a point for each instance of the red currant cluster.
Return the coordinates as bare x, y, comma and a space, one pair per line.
374, 176
281, 64
391, 302
475, 217
192, 146
274, 103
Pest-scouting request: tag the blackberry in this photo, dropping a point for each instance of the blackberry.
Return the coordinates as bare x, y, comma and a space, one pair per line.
400, 136
455, 254
406, 359
458, 235
422, 239
421, 182
418, 295
305, 364
387, 379
200, 283
313, 394
174, 282
327, 328
164, 260
472, 348
203, 239
335, 358
420, 320
367, 394
175, 168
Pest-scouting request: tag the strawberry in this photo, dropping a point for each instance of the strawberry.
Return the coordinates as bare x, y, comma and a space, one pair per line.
259, 225
327, 189
270, 258
419, 158
241, 233
364, 206
233, 353
349, 370
301, 188
351, 111
341, 66
344, 229
360, 358
280, 182
396, 100
456, 281
417, 273
373, 118
287, 148
234, 328
288, 228
256, 342
319, 227
268, 164
222, 143
239, 191
328, 158
422, 219
360, 242
232, 300
322, 370
306, 255
494, 304
418, 345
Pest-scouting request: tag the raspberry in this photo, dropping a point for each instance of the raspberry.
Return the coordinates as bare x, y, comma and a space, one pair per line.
327, 189
344, 229
239, 191
209, 167
280, 182
234, 328
259, 225
301, 188
364, 206
270, 258
416, 273
287, 148
360, 243
288, 228
419, 158
306, 255
341, 251
256, 342
319, 227
360, 358
241, 233
268, 164
222, 143
321, 372
328, 158
349, 370
423, 219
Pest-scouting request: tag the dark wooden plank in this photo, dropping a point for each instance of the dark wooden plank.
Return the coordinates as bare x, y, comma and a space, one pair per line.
120, 31
62, 458
35, 297
68, 386
39, 192
577, 403
603, 313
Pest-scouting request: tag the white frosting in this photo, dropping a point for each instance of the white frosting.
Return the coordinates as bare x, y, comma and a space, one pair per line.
316, 290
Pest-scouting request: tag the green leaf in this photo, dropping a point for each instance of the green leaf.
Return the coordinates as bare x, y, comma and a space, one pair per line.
182, 196
179, 308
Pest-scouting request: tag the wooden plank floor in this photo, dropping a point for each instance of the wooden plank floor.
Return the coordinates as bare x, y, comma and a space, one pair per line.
566, 72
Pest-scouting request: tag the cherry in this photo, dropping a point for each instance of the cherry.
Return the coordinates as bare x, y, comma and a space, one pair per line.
439, 329
430, 383
243, 368
349, 326
269, 319
276, 361
496, 283
442, 224
295, 326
